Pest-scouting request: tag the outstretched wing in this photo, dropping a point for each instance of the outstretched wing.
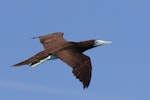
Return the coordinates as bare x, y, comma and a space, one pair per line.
34, 59
80, 63
52, 40
49, 42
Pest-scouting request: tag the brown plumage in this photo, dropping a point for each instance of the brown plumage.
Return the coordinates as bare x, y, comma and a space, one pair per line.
69, 52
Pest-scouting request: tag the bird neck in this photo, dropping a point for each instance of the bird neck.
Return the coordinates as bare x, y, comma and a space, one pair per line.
85, 45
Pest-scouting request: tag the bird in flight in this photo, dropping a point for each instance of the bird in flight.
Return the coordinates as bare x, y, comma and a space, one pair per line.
55, 46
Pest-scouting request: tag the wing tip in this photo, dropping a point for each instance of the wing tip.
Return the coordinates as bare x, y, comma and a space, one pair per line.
34, 37
84, 79
85, 86
26, 62
18, 64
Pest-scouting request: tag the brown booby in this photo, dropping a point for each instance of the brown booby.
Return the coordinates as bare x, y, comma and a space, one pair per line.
69, 52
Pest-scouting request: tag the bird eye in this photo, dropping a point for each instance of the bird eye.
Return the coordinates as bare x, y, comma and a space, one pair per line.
96, 42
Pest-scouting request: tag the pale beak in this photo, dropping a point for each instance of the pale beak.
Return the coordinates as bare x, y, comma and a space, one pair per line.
105, 42
101, 42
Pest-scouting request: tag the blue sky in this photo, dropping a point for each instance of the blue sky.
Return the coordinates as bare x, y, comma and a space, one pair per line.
121, 71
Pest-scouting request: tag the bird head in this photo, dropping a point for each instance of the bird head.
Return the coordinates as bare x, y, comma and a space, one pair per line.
101, 42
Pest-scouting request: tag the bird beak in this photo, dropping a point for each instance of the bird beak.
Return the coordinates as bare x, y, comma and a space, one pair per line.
105, 42
101, 42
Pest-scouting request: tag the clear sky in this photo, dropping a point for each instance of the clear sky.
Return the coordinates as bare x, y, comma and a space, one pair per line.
121, 71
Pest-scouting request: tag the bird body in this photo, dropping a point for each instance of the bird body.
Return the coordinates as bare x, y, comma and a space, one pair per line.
70, 52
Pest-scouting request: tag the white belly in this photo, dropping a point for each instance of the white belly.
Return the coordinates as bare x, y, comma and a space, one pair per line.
52, 57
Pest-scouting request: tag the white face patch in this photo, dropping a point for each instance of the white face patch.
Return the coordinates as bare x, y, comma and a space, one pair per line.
50, 57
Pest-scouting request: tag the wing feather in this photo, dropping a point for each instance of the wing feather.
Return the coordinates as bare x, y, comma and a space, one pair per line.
34, 59
80, 63
52, 40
